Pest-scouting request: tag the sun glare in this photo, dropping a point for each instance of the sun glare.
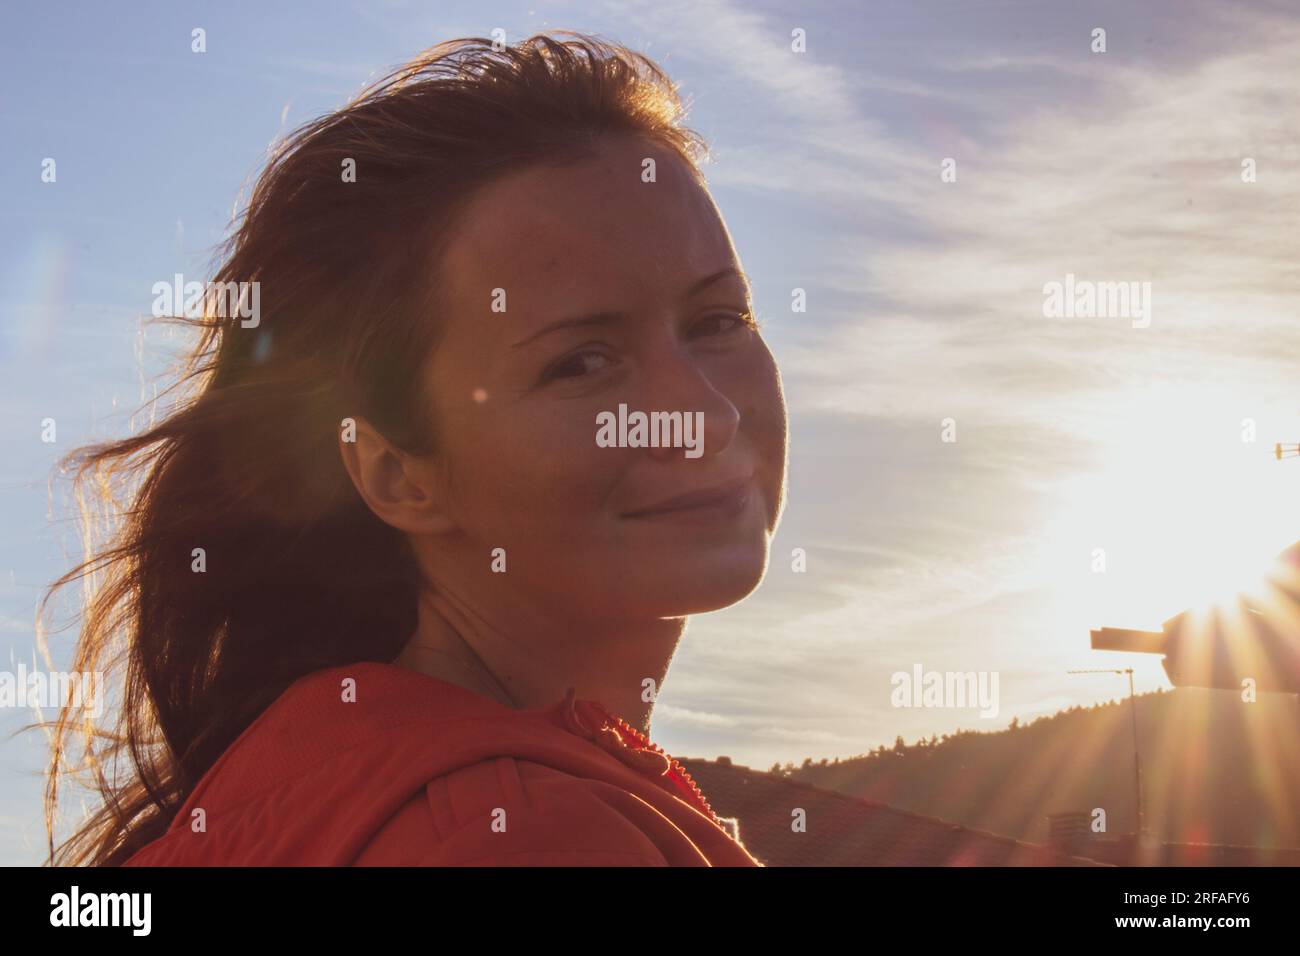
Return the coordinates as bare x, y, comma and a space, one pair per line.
1179, 513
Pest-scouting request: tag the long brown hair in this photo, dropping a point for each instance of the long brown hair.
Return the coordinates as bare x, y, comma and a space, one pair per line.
300, 575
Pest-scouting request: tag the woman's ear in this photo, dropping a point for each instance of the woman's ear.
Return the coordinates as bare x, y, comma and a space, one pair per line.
402, 489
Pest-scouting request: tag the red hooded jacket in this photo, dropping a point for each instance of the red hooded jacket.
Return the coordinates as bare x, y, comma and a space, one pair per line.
420, 772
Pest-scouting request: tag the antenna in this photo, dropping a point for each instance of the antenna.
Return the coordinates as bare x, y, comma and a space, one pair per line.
1137, 763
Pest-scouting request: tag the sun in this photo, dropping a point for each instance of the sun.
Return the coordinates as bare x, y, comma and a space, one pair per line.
1177, 512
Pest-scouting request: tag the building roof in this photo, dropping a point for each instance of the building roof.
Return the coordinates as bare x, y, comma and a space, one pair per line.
842, 830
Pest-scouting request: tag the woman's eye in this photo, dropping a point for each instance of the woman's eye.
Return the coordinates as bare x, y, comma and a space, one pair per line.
575, 366
721, 323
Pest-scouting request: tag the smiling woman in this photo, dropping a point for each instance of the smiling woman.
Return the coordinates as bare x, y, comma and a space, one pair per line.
384, 598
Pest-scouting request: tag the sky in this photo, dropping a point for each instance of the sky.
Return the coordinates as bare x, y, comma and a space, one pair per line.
924, 314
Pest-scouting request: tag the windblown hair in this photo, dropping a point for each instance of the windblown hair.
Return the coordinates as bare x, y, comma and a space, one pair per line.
300, 575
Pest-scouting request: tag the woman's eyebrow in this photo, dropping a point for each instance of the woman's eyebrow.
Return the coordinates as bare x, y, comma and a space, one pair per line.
596, 318
604, 318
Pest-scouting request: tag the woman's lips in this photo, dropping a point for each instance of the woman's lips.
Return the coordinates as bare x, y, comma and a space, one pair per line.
716, 501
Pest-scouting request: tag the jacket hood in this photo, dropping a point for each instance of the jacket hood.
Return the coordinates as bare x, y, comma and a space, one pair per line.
329, 762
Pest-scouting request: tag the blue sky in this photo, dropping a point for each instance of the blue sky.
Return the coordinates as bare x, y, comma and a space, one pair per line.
924, 303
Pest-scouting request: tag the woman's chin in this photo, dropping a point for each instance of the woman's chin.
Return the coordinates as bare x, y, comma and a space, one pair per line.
694, 587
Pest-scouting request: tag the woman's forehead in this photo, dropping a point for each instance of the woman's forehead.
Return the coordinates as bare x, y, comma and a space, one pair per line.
595, 216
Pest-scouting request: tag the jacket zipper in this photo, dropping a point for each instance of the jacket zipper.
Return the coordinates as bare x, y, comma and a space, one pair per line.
624, 729
645, 743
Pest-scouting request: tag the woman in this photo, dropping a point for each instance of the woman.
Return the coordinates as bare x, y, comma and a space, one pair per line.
385, 597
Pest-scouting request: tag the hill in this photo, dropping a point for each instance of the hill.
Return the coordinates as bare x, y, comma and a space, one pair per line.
1214, 770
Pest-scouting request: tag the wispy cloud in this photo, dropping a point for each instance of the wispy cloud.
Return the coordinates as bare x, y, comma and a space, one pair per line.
926, 303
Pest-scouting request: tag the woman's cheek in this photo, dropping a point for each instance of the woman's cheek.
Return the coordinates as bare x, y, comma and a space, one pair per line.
554, 468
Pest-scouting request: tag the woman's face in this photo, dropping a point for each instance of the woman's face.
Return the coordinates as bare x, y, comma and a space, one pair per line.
608, 291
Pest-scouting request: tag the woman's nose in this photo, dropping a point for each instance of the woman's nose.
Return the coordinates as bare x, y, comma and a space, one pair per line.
709, 419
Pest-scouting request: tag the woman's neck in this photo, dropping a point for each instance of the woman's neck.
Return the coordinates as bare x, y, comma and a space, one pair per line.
609, 664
